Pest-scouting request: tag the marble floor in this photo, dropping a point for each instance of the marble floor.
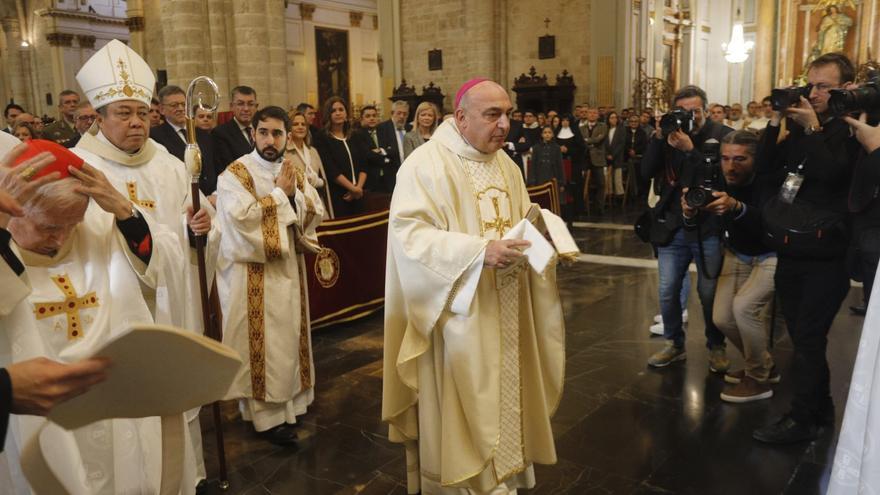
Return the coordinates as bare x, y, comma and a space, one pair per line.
621, 428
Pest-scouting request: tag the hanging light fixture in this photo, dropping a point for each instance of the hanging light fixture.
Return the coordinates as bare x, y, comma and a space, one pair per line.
737, 51
25, 44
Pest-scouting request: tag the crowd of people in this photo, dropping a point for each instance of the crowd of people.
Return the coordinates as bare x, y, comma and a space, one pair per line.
771, 203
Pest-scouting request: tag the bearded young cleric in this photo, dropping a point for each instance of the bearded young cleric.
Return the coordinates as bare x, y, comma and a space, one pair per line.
474, 338
268, 211
119, 85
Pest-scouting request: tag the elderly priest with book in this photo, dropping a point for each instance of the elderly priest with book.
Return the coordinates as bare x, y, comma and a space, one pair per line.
80, 254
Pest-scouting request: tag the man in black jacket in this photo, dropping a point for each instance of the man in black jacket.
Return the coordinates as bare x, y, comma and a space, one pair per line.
172, 135
233, 139
745, 285
818, 156
675, 161
390, 135
864, 204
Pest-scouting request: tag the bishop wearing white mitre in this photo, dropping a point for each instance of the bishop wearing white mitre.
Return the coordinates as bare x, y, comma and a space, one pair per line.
119, 85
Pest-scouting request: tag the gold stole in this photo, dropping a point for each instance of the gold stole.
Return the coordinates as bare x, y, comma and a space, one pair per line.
255, 282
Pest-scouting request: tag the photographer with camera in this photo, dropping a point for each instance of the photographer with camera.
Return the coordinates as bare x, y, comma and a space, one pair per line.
745, 285
806, 224
676, 157
864, 204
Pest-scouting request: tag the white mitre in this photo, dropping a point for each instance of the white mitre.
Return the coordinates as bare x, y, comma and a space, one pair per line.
115, 73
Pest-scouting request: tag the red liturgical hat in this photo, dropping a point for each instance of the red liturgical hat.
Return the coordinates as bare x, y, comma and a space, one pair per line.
63, 157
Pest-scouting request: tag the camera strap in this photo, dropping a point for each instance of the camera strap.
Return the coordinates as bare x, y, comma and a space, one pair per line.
702, 260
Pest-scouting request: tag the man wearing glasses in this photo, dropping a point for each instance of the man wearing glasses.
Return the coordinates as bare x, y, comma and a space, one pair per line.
62, 130
233, 139
83, 118
172, 134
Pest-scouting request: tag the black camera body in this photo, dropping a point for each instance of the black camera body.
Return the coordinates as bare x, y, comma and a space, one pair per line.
782, 98
677, 119
700, 195
864, 98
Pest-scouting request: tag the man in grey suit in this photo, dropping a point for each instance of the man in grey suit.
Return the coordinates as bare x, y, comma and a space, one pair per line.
594, 133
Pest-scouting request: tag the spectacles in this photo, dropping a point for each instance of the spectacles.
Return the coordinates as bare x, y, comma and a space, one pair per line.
84, 118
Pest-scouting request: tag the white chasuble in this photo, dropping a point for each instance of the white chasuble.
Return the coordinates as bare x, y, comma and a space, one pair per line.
83, 296
158, 183
857, 457
469, 391
262, 288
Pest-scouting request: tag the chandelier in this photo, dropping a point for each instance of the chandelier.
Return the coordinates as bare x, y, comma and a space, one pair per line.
738, 49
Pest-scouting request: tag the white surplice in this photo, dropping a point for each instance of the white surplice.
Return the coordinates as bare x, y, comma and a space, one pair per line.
468, 387
857, 458
89, 292
158, 183
262, 287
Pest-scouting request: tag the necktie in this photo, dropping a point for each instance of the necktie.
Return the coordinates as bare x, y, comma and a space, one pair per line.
182, 134
247, 130
375, 139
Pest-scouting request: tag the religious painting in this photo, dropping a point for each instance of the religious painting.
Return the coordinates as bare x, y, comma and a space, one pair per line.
331, 52
435, 59
667, 61
547, 47
826, 26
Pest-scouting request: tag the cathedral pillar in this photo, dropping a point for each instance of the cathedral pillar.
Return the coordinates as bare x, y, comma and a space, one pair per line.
219, 26
764, 41
259, 46
18, 85
390, 62
57, 43
185, 28
136, 23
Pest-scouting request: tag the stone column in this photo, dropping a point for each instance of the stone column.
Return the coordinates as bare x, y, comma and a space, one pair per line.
185, 29
764, 39
136, 23
277, 55
219, 28
17, 77
57, 43
260, 49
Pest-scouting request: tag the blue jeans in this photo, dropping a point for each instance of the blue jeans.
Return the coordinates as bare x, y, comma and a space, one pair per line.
673, 261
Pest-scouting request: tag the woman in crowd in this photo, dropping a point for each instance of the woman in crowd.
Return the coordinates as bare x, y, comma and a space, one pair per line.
555, 122
344, 159
306, 158
615, 142
423, 128
546, 161
25, 132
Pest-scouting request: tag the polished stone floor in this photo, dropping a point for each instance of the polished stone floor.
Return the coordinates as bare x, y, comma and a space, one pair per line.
621, 428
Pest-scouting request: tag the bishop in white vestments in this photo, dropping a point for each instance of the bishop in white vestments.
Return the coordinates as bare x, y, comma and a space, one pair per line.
119, 84
474, 338
85, 263
268, 212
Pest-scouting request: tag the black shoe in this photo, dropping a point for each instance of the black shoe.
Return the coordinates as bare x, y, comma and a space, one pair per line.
785, 431
283, 435
858, 310
202, 487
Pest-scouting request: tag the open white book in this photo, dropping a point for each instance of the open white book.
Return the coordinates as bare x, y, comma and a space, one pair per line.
157, 370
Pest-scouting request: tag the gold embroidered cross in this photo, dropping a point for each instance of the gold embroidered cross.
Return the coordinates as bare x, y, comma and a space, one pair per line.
70, 305
133, 196
498, 224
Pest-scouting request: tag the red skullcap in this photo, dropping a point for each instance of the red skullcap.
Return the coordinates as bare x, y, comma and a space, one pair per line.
63, 157
466, 87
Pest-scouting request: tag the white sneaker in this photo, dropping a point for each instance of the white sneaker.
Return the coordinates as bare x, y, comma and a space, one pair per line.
684, 317
656, 329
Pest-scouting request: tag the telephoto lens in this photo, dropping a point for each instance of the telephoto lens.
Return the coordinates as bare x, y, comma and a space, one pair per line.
782, 98
863, 99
